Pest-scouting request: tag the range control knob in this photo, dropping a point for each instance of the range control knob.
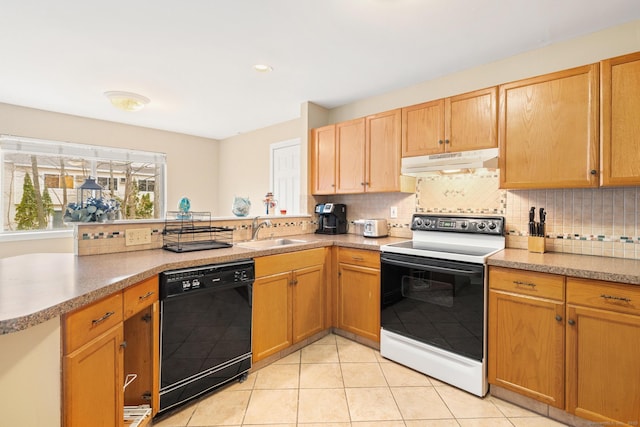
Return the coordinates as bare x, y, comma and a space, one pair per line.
492, 225
427, 222
417, 222
464, 224
481, 226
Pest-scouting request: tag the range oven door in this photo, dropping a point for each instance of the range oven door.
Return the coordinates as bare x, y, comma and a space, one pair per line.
436, 302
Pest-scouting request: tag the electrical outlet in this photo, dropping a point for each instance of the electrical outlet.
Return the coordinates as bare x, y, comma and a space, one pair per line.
394, 212
137, 236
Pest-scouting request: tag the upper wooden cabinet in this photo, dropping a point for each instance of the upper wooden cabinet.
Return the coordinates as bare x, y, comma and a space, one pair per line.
548, 130
350, 156
357, 156
620, 133
323, 160
382, 152
458, 123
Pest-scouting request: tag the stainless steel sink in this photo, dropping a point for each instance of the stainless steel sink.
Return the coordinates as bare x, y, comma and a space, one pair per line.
270, 243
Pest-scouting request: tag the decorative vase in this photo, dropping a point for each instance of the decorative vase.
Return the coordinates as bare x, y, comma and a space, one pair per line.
241, 206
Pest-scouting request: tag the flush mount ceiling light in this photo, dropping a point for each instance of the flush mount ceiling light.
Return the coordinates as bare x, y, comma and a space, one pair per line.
263, 68
127, 101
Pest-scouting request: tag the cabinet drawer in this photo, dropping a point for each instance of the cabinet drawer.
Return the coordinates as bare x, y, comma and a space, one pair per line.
140, 296
273, 264
604, 295
359, 257
543, 285
87, 323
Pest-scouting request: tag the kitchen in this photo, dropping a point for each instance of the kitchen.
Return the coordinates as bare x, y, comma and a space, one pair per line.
568, 204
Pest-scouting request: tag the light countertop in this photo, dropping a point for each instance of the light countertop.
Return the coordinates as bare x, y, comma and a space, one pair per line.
38, 287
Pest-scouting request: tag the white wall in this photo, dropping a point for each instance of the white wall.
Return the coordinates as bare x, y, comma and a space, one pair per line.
243, 168
30, 376
572, 53
191, 160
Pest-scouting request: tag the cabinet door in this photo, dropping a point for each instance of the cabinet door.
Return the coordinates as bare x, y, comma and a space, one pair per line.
423, 129
359, 300
323, 160
620, 103
141, 332
603, 373
93, 382
271, 330
308, 302
548, 130
383, 138
471, 120
526, 346
350, 156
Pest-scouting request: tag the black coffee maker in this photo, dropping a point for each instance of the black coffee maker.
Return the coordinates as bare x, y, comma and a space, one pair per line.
332, 218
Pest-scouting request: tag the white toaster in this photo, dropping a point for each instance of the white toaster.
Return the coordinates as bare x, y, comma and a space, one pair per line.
375, 228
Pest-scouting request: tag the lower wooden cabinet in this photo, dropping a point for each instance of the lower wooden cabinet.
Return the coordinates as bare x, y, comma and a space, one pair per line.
526, 334
585, 362
289, 297
603, 345
102, 344
93, 380
359, 292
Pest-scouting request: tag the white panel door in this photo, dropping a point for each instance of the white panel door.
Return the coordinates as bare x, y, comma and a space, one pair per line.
285, 175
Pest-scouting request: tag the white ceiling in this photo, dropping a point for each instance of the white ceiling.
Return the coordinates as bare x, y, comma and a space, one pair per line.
193, 58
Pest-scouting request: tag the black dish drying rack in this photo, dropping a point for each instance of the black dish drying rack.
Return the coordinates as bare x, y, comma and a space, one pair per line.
192, 231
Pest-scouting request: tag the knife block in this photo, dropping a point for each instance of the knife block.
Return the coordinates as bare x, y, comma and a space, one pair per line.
536, 244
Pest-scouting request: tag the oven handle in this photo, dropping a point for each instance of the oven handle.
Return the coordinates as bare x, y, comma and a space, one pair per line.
429, 267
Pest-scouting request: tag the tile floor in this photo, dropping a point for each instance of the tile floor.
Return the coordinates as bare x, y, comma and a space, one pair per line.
338, 382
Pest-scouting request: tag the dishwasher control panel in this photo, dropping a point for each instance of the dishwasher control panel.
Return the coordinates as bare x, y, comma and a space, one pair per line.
180, 281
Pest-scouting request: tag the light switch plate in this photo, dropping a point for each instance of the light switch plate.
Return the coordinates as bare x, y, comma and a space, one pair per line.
137, 236
394, 212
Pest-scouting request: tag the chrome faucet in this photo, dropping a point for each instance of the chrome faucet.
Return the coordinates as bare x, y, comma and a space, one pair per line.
256, 226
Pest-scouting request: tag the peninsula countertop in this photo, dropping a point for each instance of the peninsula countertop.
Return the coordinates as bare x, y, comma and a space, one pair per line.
37, 287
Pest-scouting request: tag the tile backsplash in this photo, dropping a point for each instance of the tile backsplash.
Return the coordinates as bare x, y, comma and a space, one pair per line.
598, 221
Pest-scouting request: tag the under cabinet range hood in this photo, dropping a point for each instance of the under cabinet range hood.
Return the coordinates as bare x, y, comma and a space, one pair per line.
487, 158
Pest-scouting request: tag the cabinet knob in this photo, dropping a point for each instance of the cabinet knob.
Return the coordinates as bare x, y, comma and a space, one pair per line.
446, 141
558, 318
123, 344
571, 322
440, 141
593, 172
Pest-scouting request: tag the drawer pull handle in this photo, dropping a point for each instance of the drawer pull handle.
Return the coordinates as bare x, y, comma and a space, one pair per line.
518, 283
357, 258
613, 297
103, 318
145, 296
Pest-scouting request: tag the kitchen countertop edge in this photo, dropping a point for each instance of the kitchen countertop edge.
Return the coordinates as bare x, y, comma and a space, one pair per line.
608, 269
87, 280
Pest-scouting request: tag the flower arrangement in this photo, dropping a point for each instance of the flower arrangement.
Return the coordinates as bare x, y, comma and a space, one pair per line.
95, 210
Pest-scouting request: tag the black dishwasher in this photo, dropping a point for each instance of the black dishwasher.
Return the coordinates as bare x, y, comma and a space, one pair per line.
205, 329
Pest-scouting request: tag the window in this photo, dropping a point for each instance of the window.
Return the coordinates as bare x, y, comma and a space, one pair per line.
40, 179
110, 184
146, 185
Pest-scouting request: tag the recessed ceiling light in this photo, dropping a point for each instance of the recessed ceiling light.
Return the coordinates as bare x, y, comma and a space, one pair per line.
127, 101
263, 68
